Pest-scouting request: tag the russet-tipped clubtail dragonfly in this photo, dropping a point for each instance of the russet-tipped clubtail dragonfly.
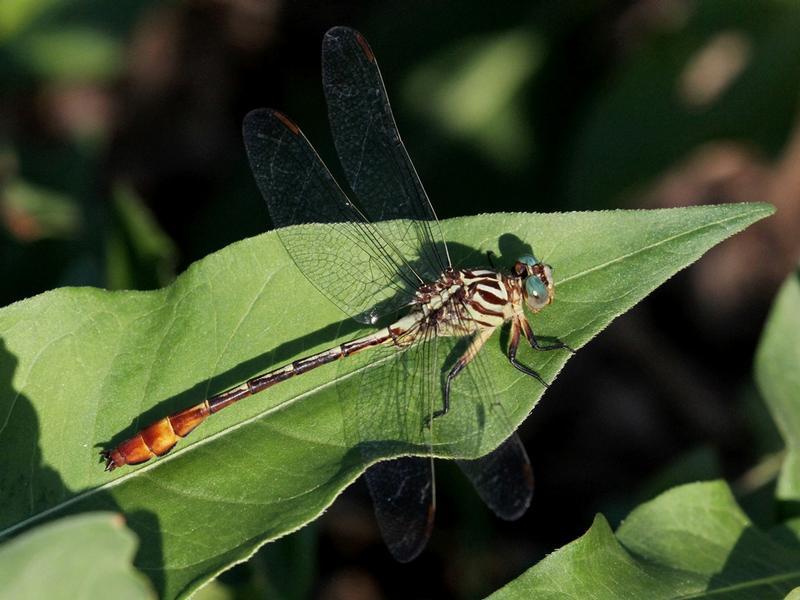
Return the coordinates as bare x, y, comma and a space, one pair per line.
372, 272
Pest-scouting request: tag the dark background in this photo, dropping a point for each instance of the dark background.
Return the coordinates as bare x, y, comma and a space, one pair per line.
121, 162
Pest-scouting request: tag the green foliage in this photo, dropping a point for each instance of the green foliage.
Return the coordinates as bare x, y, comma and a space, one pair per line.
59, 40
84, 368
662, 104
40, 213
778, 379
691, 541
474, 92
88, 556
139, 255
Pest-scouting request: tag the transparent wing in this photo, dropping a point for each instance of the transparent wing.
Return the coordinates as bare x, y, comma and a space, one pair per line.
403, 494
386, 406
348, 259
373, 157
503, 478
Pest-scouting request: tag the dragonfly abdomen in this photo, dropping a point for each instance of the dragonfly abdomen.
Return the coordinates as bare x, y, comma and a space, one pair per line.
160, 437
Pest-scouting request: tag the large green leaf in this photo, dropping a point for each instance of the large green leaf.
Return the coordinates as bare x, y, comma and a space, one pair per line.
690, 542
778, 379
87, 556
85, 367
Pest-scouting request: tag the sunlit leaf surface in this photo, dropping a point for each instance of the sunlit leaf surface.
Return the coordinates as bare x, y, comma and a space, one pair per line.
690, 542
88, 556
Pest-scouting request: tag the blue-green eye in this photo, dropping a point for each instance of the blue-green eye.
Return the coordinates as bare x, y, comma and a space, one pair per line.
528, 259
537, 294
536, 289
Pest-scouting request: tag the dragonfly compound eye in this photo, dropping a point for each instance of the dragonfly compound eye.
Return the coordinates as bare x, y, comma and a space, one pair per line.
538, 296
528, 259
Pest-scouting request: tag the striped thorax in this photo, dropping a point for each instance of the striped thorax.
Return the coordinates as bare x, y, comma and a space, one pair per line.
463, 301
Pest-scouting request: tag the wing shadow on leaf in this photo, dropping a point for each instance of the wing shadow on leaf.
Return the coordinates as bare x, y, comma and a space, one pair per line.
269, 359
758, 561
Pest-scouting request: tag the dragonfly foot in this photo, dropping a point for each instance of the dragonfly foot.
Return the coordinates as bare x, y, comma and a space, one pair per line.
111, 464
429, 419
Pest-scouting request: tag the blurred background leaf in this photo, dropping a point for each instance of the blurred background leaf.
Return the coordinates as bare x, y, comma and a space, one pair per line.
139, 255
778, 379
87, 556
723, 69
690, 541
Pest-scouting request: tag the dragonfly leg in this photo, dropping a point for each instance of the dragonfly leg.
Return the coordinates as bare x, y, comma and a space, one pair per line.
526, 328
474, 347
512, 353
491, 256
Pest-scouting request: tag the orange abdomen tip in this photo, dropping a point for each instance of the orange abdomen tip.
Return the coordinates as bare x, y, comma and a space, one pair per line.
129, 452
156, 439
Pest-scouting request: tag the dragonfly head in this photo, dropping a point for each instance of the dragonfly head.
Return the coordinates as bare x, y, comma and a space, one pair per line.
538, 281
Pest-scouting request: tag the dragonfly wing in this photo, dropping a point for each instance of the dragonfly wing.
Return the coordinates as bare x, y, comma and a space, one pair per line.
403, 495
385, 407
373, 156
503, 478
347, 259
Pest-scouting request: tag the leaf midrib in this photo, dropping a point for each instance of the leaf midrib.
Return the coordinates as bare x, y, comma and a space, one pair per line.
744, 585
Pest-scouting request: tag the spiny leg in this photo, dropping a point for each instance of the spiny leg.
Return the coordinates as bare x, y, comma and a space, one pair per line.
471, 352
513, 344
526, 328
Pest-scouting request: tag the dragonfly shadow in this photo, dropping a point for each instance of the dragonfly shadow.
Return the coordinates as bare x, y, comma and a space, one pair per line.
760, 561
30, 488
27, 485
510, 246
273, 358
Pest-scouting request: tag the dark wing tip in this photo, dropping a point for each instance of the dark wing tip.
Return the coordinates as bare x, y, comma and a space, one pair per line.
258, 119
287, 122
362, 41
523, 501
338, 36
337, 33
251, 120
402, 491
411, 546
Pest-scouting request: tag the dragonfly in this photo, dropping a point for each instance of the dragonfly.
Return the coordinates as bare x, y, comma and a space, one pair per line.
380, 256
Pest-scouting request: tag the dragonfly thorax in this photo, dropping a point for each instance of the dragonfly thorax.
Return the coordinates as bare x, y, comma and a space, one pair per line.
462, 301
